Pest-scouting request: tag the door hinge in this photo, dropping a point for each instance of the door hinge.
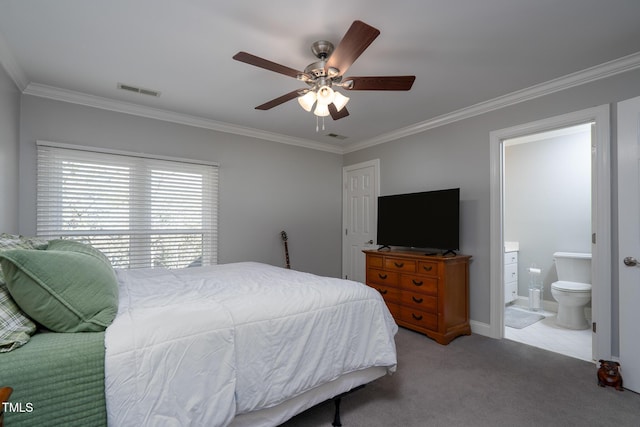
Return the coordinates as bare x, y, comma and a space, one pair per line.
594, 327
346, 231
593, 238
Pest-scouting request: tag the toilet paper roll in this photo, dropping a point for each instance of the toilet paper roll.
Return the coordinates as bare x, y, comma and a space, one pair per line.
535, 270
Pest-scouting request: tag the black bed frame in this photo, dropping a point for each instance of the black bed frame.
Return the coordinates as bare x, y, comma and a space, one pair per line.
337, 400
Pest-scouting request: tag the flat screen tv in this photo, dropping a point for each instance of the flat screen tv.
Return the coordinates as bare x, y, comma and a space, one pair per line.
425, 220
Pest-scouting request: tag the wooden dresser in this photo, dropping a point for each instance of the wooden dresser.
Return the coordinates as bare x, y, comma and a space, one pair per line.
428, 294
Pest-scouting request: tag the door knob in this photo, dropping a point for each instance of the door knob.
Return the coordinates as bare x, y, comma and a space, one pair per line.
630, 261
370, 242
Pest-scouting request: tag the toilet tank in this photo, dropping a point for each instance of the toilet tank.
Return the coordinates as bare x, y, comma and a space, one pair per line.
573, 266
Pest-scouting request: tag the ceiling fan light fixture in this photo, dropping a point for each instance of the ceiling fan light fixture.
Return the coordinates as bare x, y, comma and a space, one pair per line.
322, 110
307, 100
325, 95
340, 100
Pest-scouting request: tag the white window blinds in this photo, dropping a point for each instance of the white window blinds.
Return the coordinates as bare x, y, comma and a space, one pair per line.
141, 211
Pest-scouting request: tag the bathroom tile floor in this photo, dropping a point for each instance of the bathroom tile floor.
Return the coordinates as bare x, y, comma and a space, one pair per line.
545, 334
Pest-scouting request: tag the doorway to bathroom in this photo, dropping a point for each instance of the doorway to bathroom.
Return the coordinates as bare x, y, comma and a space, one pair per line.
550, 193
547, 209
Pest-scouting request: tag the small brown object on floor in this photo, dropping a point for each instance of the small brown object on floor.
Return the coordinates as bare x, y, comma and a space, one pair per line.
609, 374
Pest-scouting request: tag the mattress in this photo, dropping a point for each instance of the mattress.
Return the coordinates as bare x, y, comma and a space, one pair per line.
202, 345
57, 379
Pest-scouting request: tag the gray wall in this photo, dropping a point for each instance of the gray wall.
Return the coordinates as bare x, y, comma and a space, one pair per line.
458, 154
265, 187
9, 138
547, 203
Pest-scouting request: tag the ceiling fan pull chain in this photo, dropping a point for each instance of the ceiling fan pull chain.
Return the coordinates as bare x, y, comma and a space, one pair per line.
317, 118
323, 123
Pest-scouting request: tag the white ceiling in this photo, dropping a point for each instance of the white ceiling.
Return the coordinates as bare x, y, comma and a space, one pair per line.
462, 52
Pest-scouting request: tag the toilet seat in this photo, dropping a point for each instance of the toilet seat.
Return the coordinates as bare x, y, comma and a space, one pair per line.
566, 286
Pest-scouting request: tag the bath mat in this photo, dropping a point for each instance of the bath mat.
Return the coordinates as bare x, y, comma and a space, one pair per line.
519, 319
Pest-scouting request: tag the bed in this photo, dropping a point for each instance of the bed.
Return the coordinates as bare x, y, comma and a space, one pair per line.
243, 344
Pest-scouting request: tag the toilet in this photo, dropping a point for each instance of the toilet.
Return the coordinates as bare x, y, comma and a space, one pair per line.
572, 291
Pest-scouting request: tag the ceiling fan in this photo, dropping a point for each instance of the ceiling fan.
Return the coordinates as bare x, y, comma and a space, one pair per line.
327, 73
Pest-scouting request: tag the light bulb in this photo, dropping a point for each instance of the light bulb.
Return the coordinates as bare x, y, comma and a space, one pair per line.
306, 101
339, 100
325, 95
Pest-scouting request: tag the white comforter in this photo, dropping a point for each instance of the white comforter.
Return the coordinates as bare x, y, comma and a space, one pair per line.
201, 345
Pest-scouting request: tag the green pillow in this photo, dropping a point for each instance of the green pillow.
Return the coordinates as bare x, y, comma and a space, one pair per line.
69, 287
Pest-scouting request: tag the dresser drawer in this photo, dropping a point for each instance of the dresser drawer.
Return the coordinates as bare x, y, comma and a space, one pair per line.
400, 264
374, 261
390, 294
427, 285
418, 301
381, 277
419, 318
428, 267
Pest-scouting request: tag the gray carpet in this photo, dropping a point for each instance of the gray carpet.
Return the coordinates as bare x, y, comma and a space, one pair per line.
518, 319
478, 381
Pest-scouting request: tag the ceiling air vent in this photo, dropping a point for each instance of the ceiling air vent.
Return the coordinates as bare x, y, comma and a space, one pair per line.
336, 136
139, 90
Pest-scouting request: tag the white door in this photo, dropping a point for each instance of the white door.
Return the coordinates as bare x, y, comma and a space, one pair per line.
629, 239
359, 218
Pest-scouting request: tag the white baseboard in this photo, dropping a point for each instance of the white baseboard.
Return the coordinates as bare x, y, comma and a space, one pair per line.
480, 328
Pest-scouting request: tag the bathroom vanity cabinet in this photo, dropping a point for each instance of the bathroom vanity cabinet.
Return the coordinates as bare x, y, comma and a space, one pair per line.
510, 276
425, 293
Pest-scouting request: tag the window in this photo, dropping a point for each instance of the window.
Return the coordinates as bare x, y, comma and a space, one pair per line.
140, 210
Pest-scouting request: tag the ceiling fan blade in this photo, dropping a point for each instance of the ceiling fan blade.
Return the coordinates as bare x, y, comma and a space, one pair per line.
280, 100
379, 83
335, 114
265, 63
357, 38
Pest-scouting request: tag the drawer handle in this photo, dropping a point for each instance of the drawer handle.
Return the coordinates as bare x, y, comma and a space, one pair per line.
382, 276
382, 291
416, 317
398, 264
417, 282
428, 267
418, 300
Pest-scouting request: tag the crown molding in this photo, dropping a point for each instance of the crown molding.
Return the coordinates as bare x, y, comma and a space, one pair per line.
10, 65
607, 69
58, 94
